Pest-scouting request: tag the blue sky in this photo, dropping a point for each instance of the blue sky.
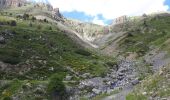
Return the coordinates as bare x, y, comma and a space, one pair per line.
85, 18
104, 11
167, 2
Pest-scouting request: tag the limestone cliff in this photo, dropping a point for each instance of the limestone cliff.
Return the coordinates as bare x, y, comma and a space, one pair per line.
11, 3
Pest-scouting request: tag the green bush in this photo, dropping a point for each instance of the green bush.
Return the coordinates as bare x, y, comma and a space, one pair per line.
33, 18
9, 55
39, 27
13, 23
26, 16
83, 52
7, 98
56, 87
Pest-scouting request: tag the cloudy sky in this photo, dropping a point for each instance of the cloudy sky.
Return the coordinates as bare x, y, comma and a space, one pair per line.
103, 11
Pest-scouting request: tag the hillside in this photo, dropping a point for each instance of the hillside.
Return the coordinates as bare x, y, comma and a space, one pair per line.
33, 50
144, 41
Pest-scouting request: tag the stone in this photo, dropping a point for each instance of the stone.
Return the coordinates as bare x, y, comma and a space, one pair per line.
96, 91
2, 40
68, 78
51, 69
134, 82
144, 93
39, 90
86, 75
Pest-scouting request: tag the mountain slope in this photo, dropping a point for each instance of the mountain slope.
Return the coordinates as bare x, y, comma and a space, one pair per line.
32, 50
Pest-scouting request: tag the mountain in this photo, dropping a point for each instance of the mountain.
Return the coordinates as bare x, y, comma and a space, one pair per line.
45, 56
11, 3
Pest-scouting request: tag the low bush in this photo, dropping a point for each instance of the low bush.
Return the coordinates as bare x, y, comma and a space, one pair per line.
83, 52
9, 56
56, 87
13, 23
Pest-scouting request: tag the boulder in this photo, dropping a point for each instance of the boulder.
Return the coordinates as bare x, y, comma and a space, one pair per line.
2, 40
86, 75
134, 82
68, 78
96, 91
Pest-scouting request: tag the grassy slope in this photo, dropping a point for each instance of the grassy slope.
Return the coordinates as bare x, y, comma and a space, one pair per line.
153, 86
154, 32
146, 36
32, 51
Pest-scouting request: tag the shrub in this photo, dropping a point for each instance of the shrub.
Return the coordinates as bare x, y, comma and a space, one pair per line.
56, 87
19, 16
83, 52
25, 16
39, 27
30, 24
45, 20
7, 98
10, 14
9, 55
112, 64
50, 28
33, 18
13, 23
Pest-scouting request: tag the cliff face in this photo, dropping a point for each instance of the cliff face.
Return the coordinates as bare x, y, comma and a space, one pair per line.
11, 3
120, 20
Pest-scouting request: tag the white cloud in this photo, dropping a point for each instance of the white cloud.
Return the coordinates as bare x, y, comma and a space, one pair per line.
98, 21
110, 9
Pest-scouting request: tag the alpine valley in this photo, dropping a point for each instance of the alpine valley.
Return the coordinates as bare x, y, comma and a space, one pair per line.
45, 56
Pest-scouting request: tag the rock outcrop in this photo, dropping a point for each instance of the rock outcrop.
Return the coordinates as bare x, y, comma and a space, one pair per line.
11, 3
120, 20
56, 14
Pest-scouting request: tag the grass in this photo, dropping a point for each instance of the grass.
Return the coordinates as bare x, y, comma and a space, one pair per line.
49, 46
155, 33
38, 51
156, 85
9, 89
135, 97
104, 95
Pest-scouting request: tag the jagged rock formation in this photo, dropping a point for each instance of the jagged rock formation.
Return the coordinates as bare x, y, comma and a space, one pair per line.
121, 19
11, 3
56, 14
87, 31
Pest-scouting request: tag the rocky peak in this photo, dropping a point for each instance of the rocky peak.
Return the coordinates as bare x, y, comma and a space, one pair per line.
11, 3
56, 14
121, 19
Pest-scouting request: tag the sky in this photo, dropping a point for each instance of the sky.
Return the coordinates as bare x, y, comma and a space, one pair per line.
102, 12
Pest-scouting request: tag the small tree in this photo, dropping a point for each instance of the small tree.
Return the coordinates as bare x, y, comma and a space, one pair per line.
45, 20
26, 16
10, 14
13, 23
33, 18
30, 24
56, 87
39, 27
50, 28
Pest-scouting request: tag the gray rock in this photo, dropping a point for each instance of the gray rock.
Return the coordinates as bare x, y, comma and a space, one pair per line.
134, 82
96, 91
86, 75
2, 40
68, 78
39, 90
